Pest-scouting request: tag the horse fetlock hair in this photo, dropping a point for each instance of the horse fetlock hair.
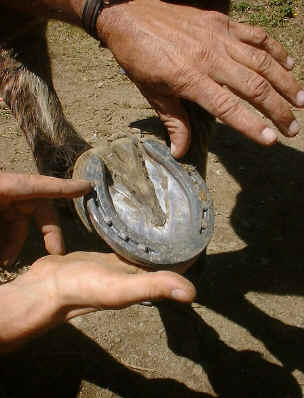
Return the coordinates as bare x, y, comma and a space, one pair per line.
27, 89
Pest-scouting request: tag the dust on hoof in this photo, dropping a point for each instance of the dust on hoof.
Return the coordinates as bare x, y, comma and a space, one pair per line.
146, 206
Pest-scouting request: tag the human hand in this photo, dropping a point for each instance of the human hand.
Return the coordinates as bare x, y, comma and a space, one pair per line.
59, 288
25, 196
88, 281
174, 51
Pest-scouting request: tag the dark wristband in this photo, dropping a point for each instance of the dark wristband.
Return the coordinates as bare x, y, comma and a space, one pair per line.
91, 10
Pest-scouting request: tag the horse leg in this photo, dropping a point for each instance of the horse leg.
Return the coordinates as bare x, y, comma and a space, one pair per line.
27, 89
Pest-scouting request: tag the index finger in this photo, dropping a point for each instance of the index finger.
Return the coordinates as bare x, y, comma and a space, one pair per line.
22, 186
48, 222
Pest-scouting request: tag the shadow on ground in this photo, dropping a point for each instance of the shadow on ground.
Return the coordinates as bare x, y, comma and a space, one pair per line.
55, 365
268, 217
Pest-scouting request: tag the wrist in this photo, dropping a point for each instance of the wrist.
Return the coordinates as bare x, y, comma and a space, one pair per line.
31, 308
108, 18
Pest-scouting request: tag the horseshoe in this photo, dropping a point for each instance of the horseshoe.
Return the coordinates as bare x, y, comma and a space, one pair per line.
174, 229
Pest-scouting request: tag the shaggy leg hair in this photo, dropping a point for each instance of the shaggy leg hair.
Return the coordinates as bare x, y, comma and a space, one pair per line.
26, 87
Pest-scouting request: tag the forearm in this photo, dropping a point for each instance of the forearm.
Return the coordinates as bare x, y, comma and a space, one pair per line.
28, 310
67, 10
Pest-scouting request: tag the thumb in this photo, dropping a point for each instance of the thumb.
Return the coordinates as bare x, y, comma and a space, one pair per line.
153, 286
175, 118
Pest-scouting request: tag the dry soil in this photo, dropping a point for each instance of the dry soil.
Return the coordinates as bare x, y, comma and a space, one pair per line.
244, 336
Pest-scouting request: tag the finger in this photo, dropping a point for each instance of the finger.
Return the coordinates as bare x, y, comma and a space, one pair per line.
48, 222
264, 64
259, 92
22, 186
150, 287
16, 234
258, 37
175, 119
227, 107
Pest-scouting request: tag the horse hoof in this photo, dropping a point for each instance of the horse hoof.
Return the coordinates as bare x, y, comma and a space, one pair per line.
149, 208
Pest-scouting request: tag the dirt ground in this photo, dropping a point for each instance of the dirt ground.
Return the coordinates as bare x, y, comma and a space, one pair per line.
244, 335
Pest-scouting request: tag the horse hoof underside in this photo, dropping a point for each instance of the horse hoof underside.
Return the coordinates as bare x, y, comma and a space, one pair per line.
149, 208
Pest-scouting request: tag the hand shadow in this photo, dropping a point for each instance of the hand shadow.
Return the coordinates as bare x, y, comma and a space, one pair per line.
267, 216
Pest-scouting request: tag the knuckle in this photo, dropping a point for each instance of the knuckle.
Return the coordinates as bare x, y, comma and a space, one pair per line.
218, 16
205, 55
262, 60
187, 77
259, 36
185, 82
225, 105
258, 88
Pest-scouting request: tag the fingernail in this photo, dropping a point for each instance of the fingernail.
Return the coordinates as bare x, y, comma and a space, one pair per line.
290, 62
173, 149
300, 98
294, 128
179, 295
269, 135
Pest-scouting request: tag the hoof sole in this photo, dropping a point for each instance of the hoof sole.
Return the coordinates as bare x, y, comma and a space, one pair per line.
147, 207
